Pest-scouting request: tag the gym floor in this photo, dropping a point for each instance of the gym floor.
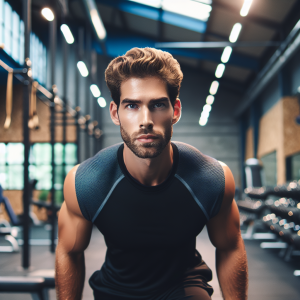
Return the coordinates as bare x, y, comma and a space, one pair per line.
269, 276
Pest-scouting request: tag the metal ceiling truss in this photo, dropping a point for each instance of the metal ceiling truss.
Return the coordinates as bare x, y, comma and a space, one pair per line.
286, 50
156, 14
118, 43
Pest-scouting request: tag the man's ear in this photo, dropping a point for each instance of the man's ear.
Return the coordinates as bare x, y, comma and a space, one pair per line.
113, 109
177, 111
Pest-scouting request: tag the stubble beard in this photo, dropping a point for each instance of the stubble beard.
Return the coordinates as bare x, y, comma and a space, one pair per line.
147, 150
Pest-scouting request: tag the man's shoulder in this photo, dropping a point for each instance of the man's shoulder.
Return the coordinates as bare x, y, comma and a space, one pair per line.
189, 155
95, 177
203, 176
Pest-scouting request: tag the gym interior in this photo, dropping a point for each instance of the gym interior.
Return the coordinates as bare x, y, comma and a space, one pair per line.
240, 104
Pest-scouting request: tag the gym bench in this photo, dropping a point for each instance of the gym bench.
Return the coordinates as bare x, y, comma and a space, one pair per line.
36, 283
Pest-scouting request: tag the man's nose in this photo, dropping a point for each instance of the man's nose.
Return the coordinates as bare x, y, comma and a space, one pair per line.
146, 119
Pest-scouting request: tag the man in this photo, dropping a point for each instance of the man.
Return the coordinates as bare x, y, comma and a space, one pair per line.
150, 198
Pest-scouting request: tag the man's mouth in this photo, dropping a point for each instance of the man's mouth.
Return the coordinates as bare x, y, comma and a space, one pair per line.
146, 138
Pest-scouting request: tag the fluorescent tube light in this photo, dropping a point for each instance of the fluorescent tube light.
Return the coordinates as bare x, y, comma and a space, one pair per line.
214, 87
153, 3
210, 99
202, 121
96, 19
82, 69
207, 107
245, 9
204, 114
101, 102
95, 90
220, 70
48, 14
67, 33
189, 8
226, 54
236, 29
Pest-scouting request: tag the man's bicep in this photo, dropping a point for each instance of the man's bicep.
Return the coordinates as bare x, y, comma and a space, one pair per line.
74, 231
224, 228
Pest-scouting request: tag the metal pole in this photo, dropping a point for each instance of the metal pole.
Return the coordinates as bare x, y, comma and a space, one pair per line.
65, 87
77, 107
26, 142
52, 133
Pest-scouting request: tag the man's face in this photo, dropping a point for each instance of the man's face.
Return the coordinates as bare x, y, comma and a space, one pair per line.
145, 116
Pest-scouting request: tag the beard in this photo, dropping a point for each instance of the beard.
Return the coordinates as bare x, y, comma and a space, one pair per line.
147, 150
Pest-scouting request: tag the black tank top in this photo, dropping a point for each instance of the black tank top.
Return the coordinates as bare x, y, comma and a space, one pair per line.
150, 232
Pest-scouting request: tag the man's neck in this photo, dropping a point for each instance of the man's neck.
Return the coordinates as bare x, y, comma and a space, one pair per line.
149, 171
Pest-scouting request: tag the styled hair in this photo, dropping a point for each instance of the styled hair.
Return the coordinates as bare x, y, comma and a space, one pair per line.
141, 63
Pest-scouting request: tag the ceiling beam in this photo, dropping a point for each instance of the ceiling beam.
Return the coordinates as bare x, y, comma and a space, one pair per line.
156, 15
118, 43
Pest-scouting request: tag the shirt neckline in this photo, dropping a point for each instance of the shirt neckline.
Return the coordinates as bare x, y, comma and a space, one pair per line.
144, 187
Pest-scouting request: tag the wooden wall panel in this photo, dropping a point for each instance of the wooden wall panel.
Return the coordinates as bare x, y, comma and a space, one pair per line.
291, 110
15, 132
16, 200
271, 138
249, 147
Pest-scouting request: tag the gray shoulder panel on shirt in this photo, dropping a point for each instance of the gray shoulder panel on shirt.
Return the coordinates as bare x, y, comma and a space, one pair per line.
96, 179
203, 176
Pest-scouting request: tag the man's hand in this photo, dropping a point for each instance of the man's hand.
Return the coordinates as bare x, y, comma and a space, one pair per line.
224, 233
74, 233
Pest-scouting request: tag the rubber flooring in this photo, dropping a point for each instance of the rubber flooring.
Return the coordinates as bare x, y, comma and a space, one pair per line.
269, 276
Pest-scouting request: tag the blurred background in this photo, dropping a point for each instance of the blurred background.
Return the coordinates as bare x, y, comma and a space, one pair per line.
241, 104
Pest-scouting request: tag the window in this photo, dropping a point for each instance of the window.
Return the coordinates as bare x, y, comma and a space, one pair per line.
270, 169
12, 36
40, 168
293, 167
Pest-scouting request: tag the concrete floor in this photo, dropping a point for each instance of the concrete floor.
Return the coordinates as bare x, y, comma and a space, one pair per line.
269, 276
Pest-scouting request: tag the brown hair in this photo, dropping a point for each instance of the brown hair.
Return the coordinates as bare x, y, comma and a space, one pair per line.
140, 63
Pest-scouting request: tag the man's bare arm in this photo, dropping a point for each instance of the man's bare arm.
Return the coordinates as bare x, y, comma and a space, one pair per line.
74, 233
224, 233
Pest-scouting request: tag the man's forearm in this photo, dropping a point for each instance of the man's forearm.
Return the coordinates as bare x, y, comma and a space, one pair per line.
232, 269
69, 275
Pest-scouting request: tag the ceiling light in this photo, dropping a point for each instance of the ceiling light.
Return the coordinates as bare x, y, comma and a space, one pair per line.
226, 54
202, 121
97, 22
101, 102
95, 90
210, 99
204, 114
189, 8
82, 69
207, 108
245, 9
48, 14
153, 3
214, 87
298, 89
67, 33
236, 29
220, 70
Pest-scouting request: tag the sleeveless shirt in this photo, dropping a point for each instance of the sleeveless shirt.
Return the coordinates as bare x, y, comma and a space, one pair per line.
150, 231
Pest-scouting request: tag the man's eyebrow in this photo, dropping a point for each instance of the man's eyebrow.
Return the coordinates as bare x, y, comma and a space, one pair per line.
133, 101
127, 100
159, 100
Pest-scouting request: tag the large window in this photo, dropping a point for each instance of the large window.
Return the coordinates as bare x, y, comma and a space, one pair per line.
270, 169
40, 167
293, 167
12, 36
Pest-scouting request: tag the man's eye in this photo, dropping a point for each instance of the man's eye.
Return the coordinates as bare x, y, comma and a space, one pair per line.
158, 105
131, 106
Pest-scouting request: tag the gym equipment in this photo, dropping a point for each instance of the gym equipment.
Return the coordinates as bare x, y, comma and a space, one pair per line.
37, 283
